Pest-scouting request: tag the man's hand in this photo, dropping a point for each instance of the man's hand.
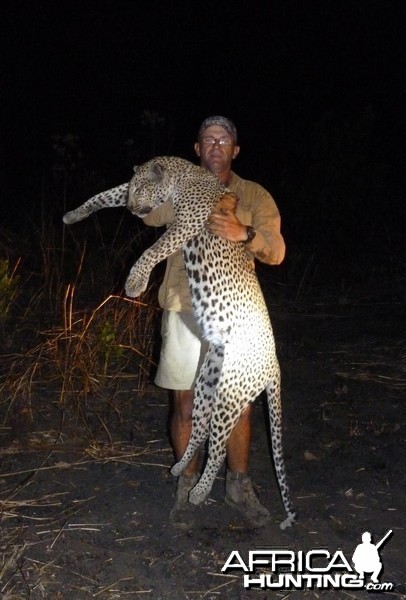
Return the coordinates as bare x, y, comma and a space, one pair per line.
223, 221
227, 227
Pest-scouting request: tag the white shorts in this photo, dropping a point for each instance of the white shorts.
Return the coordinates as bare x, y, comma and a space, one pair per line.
182, 351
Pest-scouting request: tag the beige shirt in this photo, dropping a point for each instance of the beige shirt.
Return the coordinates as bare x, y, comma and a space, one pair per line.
256, 207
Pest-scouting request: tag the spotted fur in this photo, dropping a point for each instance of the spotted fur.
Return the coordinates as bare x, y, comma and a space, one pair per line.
228, 304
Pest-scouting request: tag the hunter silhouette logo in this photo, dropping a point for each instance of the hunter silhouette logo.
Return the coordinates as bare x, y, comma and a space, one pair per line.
366, 557
315, 569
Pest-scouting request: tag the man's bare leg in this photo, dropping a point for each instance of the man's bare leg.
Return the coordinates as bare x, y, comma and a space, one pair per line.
238, 445
181, 427
180, 430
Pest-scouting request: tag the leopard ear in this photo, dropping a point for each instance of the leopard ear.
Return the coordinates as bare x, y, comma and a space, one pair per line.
157, 171
135, 167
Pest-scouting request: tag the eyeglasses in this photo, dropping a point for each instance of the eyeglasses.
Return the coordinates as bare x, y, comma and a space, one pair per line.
211, 141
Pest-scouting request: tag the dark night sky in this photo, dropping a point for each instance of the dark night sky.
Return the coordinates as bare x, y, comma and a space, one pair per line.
277, 68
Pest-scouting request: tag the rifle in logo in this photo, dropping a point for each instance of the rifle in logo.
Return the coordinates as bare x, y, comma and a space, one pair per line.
383, 540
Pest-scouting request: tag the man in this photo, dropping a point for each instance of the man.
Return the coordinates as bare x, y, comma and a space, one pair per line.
366, 558
256, 224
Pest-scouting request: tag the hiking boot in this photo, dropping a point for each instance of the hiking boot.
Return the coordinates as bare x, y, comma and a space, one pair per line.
241, 496
181, 512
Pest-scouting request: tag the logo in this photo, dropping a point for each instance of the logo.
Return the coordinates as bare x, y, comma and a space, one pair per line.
315, 569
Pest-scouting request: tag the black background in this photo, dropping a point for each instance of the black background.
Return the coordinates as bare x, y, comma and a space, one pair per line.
314, 86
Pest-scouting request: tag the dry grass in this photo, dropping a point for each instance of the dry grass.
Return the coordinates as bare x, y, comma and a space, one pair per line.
84, 355
65, 336
56, 351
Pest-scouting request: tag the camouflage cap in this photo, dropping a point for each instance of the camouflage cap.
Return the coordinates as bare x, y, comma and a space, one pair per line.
223, 122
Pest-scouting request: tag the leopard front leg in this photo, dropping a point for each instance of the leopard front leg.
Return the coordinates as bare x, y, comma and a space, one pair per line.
115, 197
168, 243
137, 280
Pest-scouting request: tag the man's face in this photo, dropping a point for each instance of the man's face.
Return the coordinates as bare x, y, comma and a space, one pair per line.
216, 157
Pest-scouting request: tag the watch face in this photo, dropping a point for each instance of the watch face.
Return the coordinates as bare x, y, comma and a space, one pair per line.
251, 233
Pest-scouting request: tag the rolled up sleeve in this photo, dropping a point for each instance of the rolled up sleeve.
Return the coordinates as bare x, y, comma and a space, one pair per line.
258, 209
163, 215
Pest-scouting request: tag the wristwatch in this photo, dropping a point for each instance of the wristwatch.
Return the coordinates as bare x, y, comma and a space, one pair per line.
251, 233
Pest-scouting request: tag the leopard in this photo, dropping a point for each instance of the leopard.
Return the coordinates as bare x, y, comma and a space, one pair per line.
241, 361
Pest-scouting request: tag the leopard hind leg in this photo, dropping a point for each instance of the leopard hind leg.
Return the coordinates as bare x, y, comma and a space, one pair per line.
202, 408
222, 423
